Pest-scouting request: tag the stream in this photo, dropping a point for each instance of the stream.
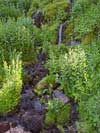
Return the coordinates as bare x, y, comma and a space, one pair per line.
60, 33
28, 116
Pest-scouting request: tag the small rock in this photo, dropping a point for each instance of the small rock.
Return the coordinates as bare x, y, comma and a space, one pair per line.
25, 103
38, 18
60, 96
74, 42
32, 122
28, 94
18, 129
4, 126
52, 130
37, 106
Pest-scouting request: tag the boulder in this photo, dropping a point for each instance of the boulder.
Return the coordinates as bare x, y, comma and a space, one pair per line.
38, 107
4, 126
32, 122
38, 18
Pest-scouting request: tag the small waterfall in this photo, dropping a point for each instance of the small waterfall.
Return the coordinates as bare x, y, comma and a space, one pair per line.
60, 35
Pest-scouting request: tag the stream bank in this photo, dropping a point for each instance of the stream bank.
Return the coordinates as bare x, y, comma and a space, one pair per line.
29, 116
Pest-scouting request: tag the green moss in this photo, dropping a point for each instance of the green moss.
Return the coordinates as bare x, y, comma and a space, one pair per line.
68, 32
84, 127
46, 83
53, 10
50, 119
58, 113
64, 115
87, 39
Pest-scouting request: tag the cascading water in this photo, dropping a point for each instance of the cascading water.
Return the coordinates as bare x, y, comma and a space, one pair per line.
60, 35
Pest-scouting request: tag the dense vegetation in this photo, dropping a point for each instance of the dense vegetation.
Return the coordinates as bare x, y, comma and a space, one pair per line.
76, 68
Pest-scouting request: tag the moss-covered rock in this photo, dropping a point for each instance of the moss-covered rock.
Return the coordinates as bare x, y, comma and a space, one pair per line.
46, 83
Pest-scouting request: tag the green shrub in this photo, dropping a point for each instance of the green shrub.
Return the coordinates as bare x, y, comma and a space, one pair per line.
54, 53
8, 2
58, 113
77, 69
17, 35
24, 5
86, 17
49, 33
14, 8
89, 114
12, 84
71, 75
53, 10
7, 11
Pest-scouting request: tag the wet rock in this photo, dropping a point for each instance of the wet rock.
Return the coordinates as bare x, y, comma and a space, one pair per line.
60, 33
71, 1
13, 120
26, 99
74, 42
30, 94
38, 106
38, 18
25, 102
42, 56
74, 113
32, 122
61, 96
52, 130
34, 73
4, 126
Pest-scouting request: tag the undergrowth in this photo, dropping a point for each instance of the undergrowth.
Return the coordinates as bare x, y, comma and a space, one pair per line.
75, 68
10, 90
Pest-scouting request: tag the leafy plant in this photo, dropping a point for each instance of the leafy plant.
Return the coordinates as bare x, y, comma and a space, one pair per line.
86, 17
77, 70
89, 114
14, 8
58, 113
12, 84
17, 35
66, 65
7, 11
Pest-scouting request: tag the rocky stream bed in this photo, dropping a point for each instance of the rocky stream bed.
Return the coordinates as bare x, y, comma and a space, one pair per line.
28, 116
